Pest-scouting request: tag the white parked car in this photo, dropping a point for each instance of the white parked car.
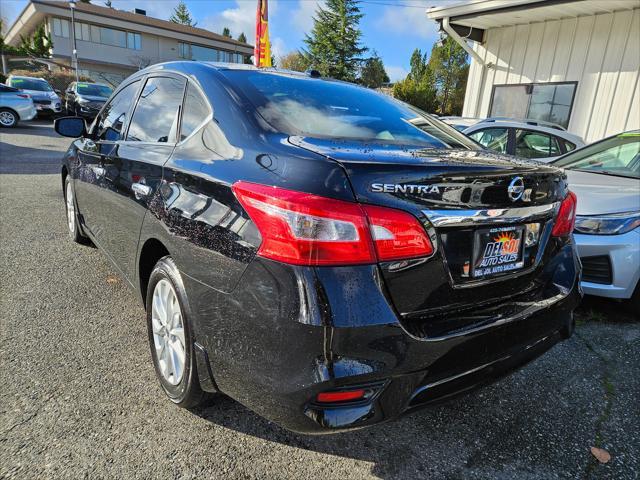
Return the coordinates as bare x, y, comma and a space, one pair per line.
605, 176
44, 96
460, 123
524, 138
15, 106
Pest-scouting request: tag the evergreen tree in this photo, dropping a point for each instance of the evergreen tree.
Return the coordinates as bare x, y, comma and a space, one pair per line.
418, 88
294, 61
373, 74
450, 69
182, 15
39, 44
242, 38
226, 32
107, 4
333, 48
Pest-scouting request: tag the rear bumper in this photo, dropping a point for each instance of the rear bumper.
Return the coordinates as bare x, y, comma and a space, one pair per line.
287, 333
623, 252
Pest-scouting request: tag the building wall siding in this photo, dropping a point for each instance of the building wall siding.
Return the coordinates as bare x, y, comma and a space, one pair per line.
600, 52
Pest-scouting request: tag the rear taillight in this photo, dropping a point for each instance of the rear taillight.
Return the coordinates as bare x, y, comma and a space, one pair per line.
23, 95
566, 218
305, 229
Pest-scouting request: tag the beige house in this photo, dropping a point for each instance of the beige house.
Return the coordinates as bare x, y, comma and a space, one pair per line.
112, 44
572, 62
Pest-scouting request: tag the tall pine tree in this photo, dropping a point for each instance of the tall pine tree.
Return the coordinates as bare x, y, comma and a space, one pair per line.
226, 32
450, 69
333, 48
182, 15
242, 38
373, 74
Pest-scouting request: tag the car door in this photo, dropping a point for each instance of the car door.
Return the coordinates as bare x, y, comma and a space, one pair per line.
91, 169
134, 166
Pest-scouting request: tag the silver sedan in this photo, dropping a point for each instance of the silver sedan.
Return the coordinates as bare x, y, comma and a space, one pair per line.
605, 176
15, 106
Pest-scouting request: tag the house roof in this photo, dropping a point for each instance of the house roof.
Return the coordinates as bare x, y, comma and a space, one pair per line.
483, 14
140, 19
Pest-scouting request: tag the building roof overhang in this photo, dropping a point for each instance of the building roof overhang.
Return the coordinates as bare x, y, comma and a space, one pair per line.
472, 18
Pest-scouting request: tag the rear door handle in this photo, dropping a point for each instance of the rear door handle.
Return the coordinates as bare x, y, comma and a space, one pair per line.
140, 190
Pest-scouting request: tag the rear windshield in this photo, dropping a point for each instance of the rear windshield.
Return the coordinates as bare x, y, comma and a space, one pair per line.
312, 107
31, 84
93, 89
619, 155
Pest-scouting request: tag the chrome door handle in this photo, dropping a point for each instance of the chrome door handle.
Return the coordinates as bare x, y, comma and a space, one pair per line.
140, 190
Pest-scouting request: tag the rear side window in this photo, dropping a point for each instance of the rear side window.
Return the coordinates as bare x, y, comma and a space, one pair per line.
315, 107
196, 110
4, 88
155, 118
495, 139
530, 144
114, 115
568, 146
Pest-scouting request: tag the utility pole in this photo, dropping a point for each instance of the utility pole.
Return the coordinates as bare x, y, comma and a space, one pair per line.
72, 5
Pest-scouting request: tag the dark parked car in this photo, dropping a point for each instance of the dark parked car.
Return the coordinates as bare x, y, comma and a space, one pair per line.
86, 99
326, 255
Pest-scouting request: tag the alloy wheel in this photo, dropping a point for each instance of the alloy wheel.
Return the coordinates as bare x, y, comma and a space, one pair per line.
7, 119
168, 332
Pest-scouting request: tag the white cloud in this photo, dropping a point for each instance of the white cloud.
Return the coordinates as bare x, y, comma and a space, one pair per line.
241, 18
408, 20
396, 73
302, 17
278, 47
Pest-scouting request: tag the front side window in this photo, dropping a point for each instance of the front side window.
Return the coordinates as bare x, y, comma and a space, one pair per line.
545, 102
619, 155
196, 111
114, 116
530, 144
315, 107
156, 115
495, 139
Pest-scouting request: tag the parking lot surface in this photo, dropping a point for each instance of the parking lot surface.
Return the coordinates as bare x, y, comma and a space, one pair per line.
79, 398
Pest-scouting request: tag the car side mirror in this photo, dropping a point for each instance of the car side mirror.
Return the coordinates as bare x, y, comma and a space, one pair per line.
73, 127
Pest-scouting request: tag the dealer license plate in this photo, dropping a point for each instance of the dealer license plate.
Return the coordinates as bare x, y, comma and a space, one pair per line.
497, 250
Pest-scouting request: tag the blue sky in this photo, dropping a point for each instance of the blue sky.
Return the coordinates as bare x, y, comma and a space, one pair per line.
394, 28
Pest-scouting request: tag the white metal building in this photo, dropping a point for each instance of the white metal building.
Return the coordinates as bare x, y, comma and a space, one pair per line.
572, 62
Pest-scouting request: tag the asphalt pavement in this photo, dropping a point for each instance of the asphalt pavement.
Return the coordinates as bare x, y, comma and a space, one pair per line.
79, 398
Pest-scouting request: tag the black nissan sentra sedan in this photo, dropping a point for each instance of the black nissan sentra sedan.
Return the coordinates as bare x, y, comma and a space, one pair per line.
324, 254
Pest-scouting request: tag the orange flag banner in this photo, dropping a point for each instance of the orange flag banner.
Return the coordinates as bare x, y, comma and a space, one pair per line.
262, 49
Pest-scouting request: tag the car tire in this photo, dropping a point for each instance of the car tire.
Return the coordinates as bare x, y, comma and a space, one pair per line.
71, 211
170, 335
8, 118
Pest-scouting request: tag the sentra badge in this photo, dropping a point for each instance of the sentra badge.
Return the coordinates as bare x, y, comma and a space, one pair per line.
397, 188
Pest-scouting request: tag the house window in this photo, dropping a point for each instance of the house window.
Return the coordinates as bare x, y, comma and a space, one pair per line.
61, 27
549, 102
133, 41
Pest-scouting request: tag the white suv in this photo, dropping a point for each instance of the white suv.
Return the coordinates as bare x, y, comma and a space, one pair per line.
524, 138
